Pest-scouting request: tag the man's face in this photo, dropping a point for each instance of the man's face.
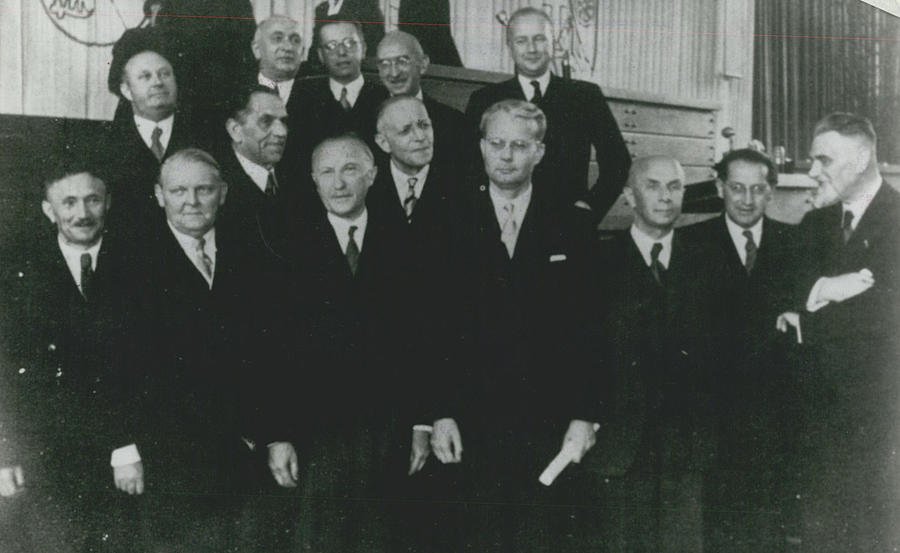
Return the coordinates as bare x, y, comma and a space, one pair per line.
838, 162
191, 194
510, 151
77, 205
341, 51
405, 133
531, 43
656, 195
278, 47
343, 173
262, 135
400, 66
746, 192
149, 84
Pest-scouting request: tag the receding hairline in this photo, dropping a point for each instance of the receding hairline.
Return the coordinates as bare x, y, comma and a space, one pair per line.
643, 164
333, 141
357, 28
130, 60
402, 38
525, 12
393, 101
53, 181
194, 156
272, 19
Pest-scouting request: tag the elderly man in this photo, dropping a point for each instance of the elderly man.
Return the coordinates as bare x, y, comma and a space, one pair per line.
849, 433
67, 312
278, 46
401, 64
656, 336
578, 117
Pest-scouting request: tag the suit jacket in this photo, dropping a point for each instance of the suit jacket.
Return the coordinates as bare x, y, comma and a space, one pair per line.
658, 342
66, 355
453, 135
578, 117
366, 12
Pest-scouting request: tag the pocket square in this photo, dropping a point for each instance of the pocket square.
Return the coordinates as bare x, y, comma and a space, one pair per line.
557, 257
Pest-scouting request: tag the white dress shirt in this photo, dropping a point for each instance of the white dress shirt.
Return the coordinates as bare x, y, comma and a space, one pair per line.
189, 245
543, 82
353, 89
283, 87
334, 6
736, 232
72, 255
145, 129
342, 226
401, 181
520, 206
257, 173
645, 243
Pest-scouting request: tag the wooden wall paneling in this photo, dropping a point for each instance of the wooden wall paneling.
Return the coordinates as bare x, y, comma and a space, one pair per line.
11, 85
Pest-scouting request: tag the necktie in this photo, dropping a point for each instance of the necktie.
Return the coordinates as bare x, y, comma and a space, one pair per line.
345, 103
352, 251
409, 202
655, 266
847, 226
275, 87
87, 275
155, 145
271, 185
750, 248
508, 228
206, 264
537, 92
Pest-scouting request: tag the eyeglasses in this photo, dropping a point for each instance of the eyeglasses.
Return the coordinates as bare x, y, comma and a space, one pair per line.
400, 62
349, 43
740, 189
517, 146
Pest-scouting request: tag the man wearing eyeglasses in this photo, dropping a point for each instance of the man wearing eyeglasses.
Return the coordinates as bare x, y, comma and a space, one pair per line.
756, 255
401, 63
578, 117
367, 12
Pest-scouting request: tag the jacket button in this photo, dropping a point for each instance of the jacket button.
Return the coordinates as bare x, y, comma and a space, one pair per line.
51, 347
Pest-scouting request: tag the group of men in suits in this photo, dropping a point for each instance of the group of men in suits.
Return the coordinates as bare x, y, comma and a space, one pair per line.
326, 330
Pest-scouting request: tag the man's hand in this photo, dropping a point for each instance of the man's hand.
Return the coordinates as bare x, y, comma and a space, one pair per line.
583, 205
419, 451
446, 441
843, 287
582, 435
787, 320
12, 481
130, 478
283, 464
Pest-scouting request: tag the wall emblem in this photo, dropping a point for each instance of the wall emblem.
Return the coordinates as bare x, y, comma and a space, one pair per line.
94, 22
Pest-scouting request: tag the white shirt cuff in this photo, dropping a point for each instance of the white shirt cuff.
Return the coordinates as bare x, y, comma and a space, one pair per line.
423, 427
813, 303
122, 456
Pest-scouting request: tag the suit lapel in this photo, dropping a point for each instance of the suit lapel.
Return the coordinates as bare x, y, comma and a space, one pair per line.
876, 219
735, 268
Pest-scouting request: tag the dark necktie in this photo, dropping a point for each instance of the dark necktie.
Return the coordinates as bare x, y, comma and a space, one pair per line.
409, 202
847, 226
345, 103
750, 247
155, 145
271, 185
537, 92
206, 263
87, 275
352, 251
655, 266
275, 88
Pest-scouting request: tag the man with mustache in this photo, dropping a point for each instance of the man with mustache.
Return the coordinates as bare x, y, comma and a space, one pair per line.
67, 309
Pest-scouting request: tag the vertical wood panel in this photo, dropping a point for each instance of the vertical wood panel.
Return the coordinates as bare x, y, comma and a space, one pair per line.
11, 57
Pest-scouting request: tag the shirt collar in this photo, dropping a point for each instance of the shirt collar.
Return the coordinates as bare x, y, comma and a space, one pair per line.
737, 233
145, 129
644, 242
419, 94
188, 243
520, 203
861, 204
401, 180
72, 255
525, 83
353, 89
342, 226
334, 7
283, 87
257, 173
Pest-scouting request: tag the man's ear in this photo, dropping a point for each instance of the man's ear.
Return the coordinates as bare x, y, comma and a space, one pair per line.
629, 196
425, 62
383, 143
254, 47
863, 158
234, 130
48, 211
373, 172
720, 187
542, 149
321, 57
125, 90
157, 190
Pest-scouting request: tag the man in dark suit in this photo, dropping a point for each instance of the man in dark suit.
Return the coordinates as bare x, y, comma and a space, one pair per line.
656, 335
66, 322
756, 254
401, 63
136, 146
341, 102
365, 13
527, 265
578, 117
278, 46
848, 387
208, 301
351, 306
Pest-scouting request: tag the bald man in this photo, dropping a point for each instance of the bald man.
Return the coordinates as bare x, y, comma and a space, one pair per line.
401, 64
655, 336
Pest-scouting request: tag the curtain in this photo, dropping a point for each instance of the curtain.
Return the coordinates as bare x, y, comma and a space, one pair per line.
813, 57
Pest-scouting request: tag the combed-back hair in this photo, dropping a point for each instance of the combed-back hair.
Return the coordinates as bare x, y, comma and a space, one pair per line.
519, 109
846, 124
750, 156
